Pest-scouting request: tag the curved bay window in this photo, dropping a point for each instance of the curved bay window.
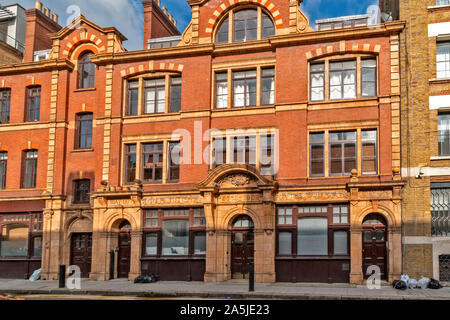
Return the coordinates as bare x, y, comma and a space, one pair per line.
86, 71
245, 25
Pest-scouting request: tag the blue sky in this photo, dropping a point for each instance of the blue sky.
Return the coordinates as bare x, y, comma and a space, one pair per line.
127, 15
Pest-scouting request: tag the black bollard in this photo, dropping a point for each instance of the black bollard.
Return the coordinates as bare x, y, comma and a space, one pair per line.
111, 265
251, 280
62, 276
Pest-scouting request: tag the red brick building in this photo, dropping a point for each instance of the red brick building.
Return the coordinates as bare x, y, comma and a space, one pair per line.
289, 140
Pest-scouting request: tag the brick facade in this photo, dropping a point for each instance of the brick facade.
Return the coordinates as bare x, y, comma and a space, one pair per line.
225, 192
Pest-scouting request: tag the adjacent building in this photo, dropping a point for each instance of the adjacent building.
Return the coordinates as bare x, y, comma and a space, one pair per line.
251, 137
425, 74
12, 34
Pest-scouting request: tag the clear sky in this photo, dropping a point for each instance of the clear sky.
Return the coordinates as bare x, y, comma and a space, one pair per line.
127, 15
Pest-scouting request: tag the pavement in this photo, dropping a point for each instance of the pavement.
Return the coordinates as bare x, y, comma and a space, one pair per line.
234, 289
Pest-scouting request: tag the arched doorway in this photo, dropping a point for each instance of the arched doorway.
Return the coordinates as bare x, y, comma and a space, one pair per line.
124, 254
374, 244
242, 246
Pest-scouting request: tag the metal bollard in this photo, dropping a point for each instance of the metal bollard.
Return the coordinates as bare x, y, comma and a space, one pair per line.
251, 280
111, 265
62, 276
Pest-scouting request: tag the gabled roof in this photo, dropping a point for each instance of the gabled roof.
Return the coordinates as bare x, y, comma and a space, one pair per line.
82, 19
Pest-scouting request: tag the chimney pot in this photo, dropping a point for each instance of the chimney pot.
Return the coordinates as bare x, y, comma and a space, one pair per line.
55, 17
38, 5
47, 11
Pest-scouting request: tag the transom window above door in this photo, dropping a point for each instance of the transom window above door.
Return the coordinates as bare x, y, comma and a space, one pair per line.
245, 25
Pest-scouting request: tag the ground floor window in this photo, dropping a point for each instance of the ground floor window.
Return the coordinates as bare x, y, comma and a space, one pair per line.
21, 235
174, 232
313, 230
440, 209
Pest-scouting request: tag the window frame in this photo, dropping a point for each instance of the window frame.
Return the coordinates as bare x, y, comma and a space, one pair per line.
130, 105
325, 211
193, 230
3, 169
342, 73
271, 92
247, 95
156, 89
446, 72
327, 74
85, 60
375, 157
84, 134
5, 105
34, 161
228, 22
446, 134
78, 191
311, 145
154, 167
171, 166
33, 104
343, 157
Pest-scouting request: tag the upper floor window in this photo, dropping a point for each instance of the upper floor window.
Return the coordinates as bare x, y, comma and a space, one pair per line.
29, 169
443, 60
442, 2
342, 152
444, 134
243, 149
3, 163
350, 79
83, 131
130, 163
247, 24
343, 80
173, 167
81, 191
245, 90
5, 104
33, 104
153, 95
86, 72
152, 156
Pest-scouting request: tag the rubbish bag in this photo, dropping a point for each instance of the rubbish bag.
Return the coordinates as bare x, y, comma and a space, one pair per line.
405, 277
150, 278
434, 284
400, 285
36, 275
412, 283
423, 282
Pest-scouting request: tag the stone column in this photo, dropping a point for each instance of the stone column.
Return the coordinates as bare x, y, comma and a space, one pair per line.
101, 245
394, 253
52, 246
356, 272
135, 256
218, 262
264, 256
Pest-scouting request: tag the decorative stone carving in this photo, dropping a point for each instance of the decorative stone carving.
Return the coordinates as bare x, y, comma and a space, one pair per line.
186, 38
236, 180
172, 200
312, 196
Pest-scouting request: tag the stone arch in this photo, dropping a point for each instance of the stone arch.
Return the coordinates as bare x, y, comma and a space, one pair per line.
229, 4
235, 212
82, 49
114, 220
71, 224
83, 37
383, 211
151, 67
342, 48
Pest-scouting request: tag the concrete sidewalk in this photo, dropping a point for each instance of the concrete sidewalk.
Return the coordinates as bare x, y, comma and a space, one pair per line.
224, 290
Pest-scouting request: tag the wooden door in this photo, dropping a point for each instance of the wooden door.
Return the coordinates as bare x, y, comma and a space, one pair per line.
242, 253
81, 252
374, 249
124, 255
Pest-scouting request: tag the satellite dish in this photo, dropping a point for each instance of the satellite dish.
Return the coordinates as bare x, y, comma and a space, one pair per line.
386, 17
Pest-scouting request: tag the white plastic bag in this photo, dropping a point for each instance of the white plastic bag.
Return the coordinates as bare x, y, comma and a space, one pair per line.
423, 282
36, 275
412, 283
405, 278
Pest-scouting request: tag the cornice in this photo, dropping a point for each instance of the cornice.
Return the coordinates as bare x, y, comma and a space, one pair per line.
254, 46
39, 66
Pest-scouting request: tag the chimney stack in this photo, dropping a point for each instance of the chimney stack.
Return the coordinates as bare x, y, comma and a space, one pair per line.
158, 22
40, 24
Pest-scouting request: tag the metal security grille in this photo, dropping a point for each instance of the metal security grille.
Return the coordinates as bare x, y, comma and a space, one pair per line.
440, 212
444, 267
